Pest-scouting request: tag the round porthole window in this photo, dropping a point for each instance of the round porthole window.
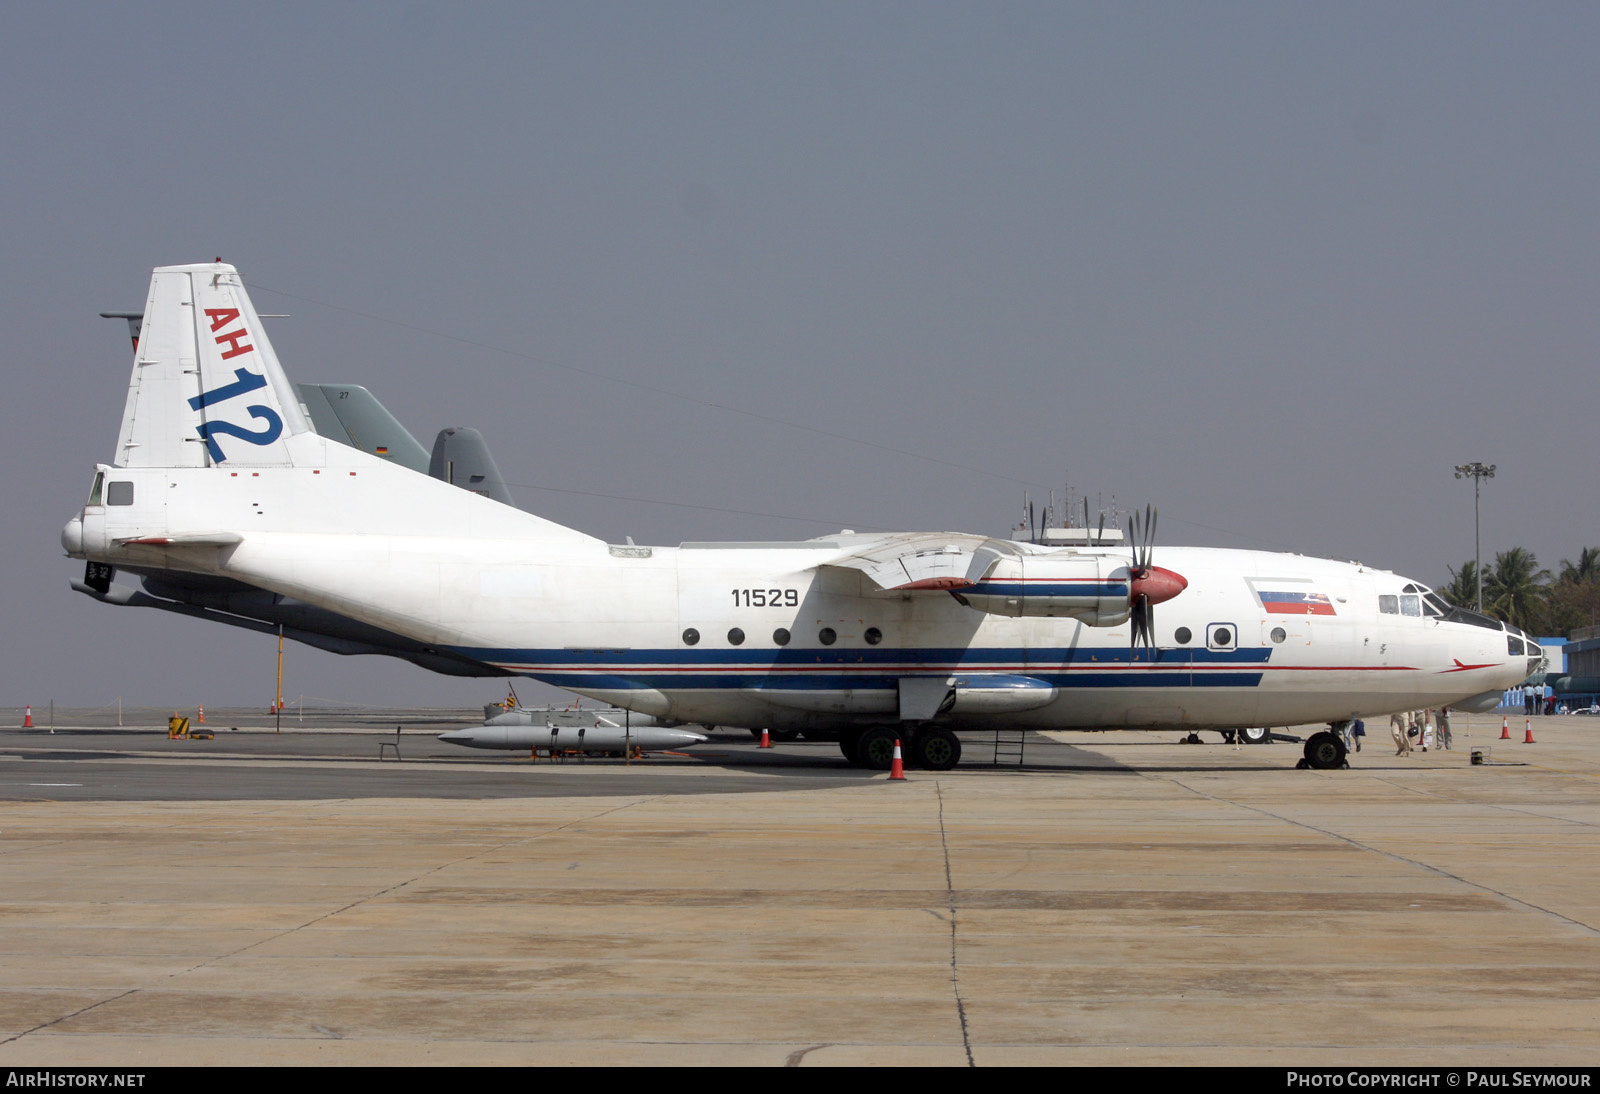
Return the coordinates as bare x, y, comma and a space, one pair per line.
1223, 637
780, 636
1278, 634
736, 637
691, 636
873, 636
826, 636
1181, 636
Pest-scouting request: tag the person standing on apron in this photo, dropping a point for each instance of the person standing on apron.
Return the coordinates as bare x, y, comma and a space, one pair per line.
1399, 725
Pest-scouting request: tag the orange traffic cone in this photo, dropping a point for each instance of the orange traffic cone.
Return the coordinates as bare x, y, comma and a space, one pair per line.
1505, 729
897, 767
1527, 733
200, 719
27, 718
766, 740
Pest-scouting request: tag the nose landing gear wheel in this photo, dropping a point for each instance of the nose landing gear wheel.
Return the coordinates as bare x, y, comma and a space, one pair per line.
1324, 751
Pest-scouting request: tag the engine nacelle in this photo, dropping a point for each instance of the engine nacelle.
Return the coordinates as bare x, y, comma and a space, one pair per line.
1091, 588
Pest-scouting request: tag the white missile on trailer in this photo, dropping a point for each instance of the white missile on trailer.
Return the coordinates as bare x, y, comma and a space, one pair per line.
509, 733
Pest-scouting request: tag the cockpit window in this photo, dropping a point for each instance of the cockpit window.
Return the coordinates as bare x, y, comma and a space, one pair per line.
1514, 645
1434, 604
1472, 618
1410, 603
94, 491
1389, 604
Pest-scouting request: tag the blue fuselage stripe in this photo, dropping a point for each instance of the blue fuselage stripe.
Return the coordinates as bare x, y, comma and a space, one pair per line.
857, 669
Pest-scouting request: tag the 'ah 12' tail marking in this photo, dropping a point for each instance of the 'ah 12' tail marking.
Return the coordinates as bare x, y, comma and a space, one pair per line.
243, 383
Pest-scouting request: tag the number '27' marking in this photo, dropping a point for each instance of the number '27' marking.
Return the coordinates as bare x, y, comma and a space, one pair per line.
244, 381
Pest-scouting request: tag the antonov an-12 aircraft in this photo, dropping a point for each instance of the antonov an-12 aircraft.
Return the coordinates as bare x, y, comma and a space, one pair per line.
219, 477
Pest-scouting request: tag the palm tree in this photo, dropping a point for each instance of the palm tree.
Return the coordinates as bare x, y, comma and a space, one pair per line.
1574, 600
1463, 586
1515, 589
1588, 566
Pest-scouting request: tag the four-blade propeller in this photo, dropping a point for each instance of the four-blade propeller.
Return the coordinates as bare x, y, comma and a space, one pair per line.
1148, 584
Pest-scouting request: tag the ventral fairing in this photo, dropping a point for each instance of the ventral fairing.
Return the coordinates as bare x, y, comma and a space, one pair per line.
219, 481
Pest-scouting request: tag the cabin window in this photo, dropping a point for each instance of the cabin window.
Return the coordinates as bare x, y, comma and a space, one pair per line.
690, 636
826, 636
1219, 636
1278, 634
780, 637
736, 637
873, 636
1182, 635
119, 493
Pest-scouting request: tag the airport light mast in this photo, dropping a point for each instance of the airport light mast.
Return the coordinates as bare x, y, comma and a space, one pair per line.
1479, 472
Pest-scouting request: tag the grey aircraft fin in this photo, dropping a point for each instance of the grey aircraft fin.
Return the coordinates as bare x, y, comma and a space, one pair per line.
461, 457
352, 415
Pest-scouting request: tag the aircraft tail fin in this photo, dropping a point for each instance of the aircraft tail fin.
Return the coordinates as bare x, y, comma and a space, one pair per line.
461, 456
207, 388
352, 415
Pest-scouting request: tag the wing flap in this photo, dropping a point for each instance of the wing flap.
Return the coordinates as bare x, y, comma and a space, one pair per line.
924, 561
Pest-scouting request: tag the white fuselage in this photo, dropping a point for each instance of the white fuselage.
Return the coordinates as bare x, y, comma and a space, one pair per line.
218, 472
1272, 639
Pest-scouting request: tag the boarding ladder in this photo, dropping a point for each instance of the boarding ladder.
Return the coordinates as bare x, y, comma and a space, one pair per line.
1008, 746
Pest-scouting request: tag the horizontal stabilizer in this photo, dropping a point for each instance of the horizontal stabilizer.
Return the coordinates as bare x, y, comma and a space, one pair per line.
192, 539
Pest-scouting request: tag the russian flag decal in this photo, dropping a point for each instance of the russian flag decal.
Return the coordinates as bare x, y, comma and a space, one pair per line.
1285, 603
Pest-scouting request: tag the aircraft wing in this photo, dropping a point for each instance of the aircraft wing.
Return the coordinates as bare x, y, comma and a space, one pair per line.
924, 561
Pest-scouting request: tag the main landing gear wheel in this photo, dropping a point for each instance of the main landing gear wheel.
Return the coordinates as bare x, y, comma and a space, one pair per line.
1324, 751
937, 749
848, 742
875, 747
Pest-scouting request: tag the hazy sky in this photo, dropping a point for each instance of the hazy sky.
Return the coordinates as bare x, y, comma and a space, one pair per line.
1274, 268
